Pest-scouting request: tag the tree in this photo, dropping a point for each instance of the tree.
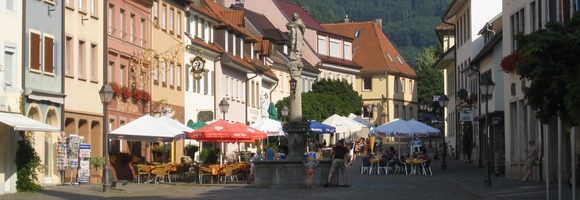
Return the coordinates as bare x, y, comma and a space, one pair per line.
327, 97
430, 81
551, 65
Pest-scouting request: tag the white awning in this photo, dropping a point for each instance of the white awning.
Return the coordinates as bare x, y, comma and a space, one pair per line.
22, 123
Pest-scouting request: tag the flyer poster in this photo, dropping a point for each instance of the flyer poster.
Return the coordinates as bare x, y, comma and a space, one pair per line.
85, 151
73, 144
61, 152
84, 172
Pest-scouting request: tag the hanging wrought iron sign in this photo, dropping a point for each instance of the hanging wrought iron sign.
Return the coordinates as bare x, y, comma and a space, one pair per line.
197, 67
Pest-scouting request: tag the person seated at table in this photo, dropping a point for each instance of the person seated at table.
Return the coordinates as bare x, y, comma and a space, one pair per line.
387, 155
281, 155
368, 156
425, 155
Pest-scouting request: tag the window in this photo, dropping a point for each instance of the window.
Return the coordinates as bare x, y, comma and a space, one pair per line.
142, 32
35, 51
171, 20
399, 59
357, 33
334, 48
178, 27
110, 20
94, 7
178, 77
347, 51
81, 60
410, 86
164, 73
390, 58
396, 111
404, 113
110, 71
122, 76
163, 16
81, 6
48, 55
206, 31
68, 3
411, 114
171, 74
156, 76
396, 84
68, 53
9, 64
131, 27
403, 85
10, 5
122, 24
321, 45
367, 83
93, 62
155, 12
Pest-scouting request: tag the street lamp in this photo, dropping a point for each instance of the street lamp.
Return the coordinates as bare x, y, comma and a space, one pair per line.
284, 112
486, 86
106, 94
443, 101
224, 106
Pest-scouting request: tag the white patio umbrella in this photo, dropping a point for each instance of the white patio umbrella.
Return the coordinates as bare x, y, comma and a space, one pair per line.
430, 130
146, 128
361, 120
397, 128
342, 124
269, 126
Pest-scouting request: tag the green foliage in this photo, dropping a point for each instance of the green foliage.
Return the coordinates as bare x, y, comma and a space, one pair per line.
191, 148
467, 139
408, 24
28, 164
209, 155
431, 80
159, 149
551, 65
327, 97
96, 162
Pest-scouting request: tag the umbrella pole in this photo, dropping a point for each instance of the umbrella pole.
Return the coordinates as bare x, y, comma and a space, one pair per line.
222, 154
239, 152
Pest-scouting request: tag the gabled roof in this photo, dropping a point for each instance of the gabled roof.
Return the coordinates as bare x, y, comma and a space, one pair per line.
261, 24
338, 61
230, 19
372, 49
289, 9
202, 43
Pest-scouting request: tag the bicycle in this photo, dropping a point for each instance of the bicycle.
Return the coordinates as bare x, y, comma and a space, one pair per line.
577, 173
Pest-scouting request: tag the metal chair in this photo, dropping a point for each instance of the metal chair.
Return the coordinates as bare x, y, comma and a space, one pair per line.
228, 171
204, 171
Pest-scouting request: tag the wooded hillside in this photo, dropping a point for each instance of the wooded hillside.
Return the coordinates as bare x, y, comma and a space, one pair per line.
409, 24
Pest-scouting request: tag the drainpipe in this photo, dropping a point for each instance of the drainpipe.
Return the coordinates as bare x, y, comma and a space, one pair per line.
62, 41
473, 68
247, 97
23, 49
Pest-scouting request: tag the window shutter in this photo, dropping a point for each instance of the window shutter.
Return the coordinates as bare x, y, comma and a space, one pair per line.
48, 55
34, 51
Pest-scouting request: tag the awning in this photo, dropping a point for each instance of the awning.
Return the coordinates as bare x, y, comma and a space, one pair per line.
22, 123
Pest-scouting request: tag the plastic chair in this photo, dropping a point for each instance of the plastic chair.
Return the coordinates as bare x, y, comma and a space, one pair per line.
204, 171
366, 167
228, 171
383, 165
427, 166
162, 172
141, 171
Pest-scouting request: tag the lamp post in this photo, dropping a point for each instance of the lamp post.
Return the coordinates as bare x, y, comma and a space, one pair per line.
443, 101
423, 107
106, 94
486, 86
284, 112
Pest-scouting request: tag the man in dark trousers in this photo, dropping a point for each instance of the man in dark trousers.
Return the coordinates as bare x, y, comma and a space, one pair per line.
339, 152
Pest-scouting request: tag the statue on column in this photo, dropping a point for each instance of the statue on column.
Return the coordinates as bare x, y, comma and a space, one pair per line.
296, 28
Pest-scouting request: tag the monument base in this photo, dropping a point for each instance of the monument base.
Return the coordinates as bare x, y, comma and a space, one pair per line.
290, 174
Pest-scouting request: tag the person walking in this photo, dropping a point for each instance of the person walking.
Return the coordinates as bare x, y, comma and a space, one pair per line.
339, 152
532, 157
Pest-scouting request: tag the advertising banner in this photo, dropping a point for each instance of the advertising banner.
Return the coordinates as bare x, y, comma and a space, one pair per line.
84, 172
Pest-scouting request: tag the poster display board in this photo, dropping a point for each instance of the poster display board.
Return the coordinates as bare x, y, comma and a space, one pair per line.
61, 152
73, 156
84, 171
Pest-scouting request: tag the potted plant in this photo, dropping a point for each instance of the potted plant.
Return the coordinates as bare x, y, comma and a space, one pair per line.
190, 150
96, 162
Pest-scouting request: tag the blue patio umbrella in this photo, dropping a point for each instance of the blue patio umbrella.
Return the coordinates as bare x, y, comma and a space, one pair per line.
320, 128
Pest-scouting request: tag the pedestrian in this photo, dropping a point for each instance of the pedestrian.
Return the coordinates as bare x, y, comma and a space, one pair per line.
339, 152
270, 153
310, 165
532, 157
281, 154
324, 143
257, 156
352, 152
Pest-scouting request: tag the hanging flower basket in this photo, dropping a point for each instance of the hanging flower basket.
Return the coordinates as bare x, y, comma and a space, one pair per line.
146, 96
126, 92
116, 88
509, 63
137, 94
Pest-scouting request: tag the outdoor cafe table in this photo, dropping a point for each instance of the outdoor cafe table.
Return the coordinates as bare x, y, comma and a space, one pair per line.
416, 165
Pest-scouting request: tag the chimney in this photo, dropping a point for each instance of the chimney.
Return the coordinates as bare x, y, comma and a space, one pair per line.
379, 22
239, 3
306, 8
346, 20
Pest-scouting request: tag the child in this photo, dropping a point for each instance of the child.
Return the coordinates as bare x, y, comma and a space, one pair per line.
310, 165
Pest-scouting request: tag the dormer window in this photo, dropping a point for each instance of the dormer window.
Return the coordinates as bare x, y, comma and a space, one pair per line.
390, 58
399, 58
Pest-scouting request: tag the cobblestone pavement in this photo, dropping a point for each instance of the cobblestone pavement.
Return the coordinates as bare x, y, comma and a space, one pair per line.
460, 181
